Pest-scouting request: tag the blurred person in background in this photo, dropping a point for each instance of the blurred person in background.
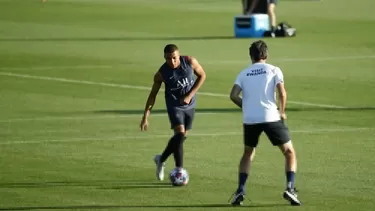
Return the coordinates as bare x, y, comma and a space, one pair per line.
250, 7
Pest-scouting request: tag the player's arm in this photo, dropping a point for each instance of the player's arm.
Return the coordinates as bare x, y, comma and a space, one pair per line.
200, 73
235, 95
153, 93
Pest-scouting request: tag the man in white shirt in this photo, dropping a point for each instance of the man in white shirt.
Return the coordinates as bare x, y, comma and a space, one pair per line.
258, 84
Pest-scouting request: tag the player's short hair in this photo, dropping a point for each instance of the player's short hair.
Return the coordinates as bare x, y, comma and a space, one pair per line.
258, 50
170, 48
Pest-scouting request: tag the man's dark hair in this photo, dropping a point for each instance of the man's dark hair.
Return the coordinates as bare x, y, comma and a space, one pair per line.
170, 48
258, 50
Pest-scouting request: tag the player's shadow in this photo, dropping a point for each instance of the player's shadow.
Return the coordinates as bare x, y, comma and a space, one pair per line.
109, 39
111, 184
140, 207
99, 184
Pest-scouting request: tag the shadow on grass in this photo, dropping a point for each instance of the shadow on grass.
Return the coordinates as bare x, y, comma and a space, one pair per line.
108, 39
114, 184
100, 184
141, 206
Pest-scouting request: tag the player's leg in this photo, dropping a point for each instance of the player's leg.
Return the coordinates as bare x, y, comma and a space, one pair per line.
272, 14
176, 118
183, 129
178, 150
278, 133
178, 127
251, 139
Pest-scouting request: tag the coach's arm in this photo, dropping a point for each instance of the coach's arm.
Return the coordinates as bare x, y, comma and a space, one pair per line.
235, 95
282, 99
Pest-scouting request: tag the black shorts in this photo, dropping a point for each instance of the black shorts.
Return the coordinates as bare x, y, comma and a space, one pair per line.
181, 117
277, 132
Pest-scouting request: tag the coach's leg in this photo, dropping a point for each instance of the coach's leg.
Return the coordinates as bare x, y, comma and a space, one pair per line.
290, 168
244, 167
278, 134
251, 138
243, 172
290, 163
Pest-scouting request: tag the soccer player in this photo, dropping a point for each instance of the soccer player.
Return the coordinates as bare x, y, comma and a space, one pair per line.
182, 77
260, 113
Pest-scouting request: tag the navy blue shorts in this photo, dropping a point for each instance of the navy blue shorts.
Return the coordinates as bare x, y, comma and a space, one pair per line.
181, 117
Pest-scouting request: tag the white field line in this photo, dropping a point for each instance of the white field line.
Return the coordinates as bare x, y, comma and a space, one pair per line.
318, 59
332, 130
210, 62
141, 87
41, 131
58, 67
295, 60
51, 118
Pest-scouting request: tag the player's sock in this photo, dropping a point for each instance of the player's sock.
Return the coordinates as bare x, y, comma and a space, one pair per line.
169, 149
242, 177
290, 175
178, 156
179, 150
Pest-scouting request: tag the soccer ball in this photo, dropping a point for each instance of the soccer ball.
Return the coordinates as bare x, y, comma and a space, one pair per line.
179, 177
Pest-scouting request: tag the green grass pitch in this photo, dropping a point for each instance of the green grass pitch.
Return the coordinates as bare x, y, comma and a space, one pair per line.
75, 74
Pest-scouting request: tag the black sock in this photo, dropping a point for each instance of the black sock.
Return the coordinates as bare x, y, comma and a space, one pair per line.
242, 177
178, 152
169, 149
290, 175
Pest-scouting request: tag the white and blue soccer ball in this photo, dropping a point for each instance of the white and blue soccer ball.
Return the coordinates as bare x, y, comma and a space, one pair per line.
179, 177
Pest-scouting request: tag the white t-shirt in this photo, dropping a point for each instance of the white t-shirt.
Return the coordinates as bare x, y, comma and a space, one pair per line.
258, 83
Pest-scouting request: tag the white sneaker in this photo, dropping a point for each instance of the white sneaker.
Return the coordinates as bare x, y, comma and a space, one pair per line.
159, 168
